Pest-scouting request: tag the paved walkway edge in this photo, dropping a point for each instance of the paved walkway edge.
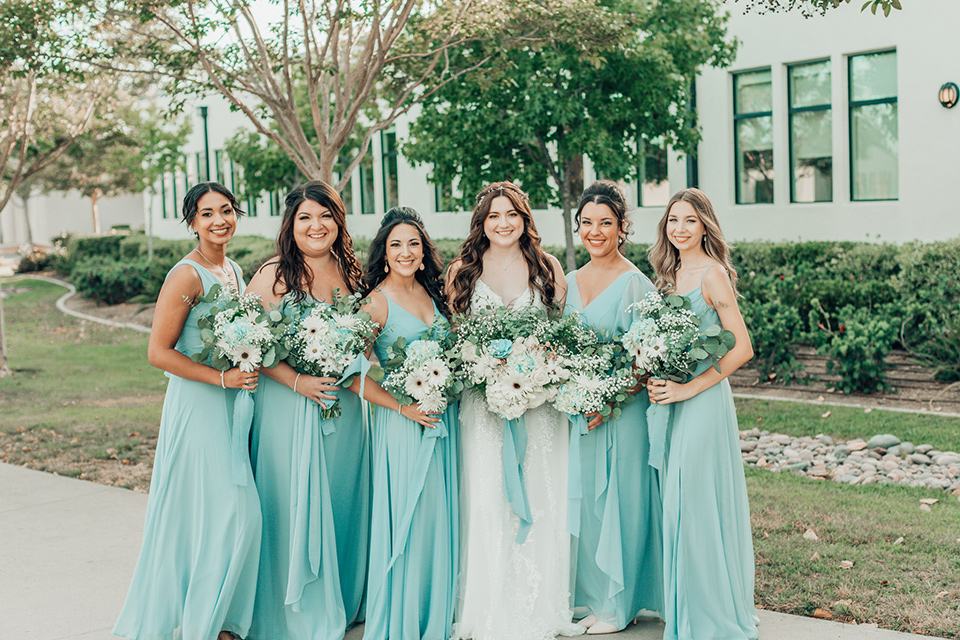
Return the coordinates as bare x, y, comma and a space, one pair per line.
72, 291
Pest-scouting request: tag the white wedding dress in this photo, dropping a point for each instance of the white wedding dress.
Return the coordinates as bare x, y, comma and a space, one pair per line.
511, 591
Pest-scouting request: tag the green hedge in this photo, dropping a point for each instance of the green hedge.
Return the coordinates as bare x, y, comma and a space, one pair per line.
792, 293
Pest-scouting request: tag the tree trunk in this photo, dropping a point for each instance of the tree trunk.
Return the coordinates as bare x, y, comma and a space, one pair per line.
4, 365
566, 200
95, 210
25, 200
148, 224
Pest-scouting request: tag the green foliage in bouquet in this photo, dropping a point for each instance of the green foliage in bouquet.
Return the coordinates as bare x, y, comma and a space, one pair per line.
246, 312
407, 364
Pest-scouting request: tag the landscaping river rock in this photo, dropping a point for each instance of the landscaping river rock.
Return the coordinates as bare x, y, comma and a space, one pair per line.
883, 459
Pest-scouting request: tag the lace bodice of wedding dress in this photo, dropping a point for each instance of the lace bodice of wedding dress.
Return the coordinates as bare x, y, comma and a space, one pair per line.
510, 591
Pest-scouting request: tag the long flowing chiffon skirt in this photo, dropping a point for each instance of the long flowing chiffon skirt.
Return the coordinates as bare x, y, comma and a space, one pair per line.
414, 547
302, 592
708, 548
620, 552
197, 570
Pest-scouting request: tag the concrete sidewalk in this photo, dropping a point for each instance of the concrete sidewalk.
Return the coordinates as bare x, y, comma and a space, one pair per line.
68, 547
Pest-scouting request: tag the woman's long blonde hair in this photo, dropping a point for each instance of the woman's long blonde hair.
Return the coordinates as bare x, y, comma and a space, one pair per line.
665, 258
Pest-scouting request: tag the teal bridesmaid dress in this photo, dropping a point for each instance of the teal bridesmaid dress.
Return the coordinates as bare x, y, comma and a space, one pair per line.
708, 548
313, 476
619, 547
414, 545
197, 570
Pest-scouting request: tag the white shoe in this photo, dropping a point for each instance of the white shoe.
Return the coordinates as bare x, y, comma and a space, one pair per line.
601, 627
587, 622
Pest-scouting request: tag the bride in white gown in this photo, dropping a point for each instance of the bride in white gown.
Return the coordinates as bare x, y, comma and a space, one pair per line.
510, 591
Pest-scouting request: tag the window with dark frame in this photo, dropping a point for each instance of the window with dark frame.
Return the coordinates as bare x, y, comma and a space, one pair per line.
753, 136
874, 143
811, 131
653, 183
367, 204
388, 164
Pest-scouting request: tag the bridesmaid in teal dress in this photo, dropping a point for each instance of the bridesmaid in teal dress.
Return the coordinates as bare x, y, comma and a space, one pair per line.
313, 475
708, 548
618, 516
414, 546
197, 569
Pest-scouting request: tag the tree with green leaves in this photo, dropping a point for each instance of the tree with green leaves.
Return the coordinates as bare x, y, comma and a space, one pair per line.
534, 114
316, 72
809, 7
124, 150
47, 99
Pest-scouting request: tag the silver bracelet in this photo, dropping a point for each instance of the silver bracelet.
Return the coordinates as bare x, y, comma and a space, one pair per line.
221, 380
295, 381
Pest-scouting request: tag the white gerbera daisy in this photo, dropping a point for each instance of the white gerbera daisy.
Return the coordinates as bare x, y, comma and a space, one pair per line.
416, 383
313, 326
437, 370
246, 356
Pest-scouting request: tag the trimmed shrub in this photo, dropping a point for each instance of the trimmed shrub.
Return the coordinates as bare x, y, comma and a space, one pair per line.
775, 331
34, 259
110, 281
856, 341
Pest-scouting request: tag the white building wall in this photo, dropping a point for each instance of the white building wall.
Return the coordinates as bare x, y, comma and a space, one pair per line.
924, 36
57, 213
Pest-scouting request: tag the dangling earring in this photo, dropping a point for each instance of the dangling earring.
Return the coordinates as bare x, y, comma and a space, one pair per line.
386, 268
421, 266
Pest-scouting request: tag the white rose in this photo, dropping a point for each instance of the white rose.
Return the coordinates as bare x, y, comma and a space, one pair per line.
468, 352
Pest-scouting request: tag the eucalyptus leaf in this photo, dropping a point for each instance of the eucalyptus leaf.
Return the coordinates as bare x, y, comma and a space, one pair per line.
220, 362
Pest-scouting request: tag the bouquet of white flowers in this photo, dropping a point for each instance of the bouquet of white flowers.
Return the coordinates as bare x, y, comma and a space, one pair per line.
422, 370
237, 332
328, 341
505, 358
600, 378
668, 342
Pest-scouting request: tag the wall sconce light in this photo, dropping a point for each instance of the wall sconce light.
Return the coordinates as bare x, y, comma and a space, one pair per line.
949, 93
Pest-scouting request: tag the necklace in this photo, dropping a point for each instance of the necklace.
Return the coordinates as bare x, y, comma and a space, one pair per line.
512, 261
223, 270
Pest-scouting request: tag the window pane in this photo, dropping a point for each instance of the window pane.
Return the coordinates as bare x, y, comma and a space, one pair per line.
654, 184
812, 156
389, 144
367, 205
753, 92
874, 154
347, 196
873, 76
810, 84
755, 160
443, 198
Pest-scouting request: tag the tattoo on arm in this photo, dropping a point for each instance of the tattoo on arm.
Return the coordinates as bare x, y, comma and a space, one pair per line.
721, 304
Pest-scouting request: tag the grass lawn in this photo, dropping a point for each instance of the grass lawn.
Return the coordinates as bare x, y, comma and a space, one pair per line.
84, 400
911, 585
846, 423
